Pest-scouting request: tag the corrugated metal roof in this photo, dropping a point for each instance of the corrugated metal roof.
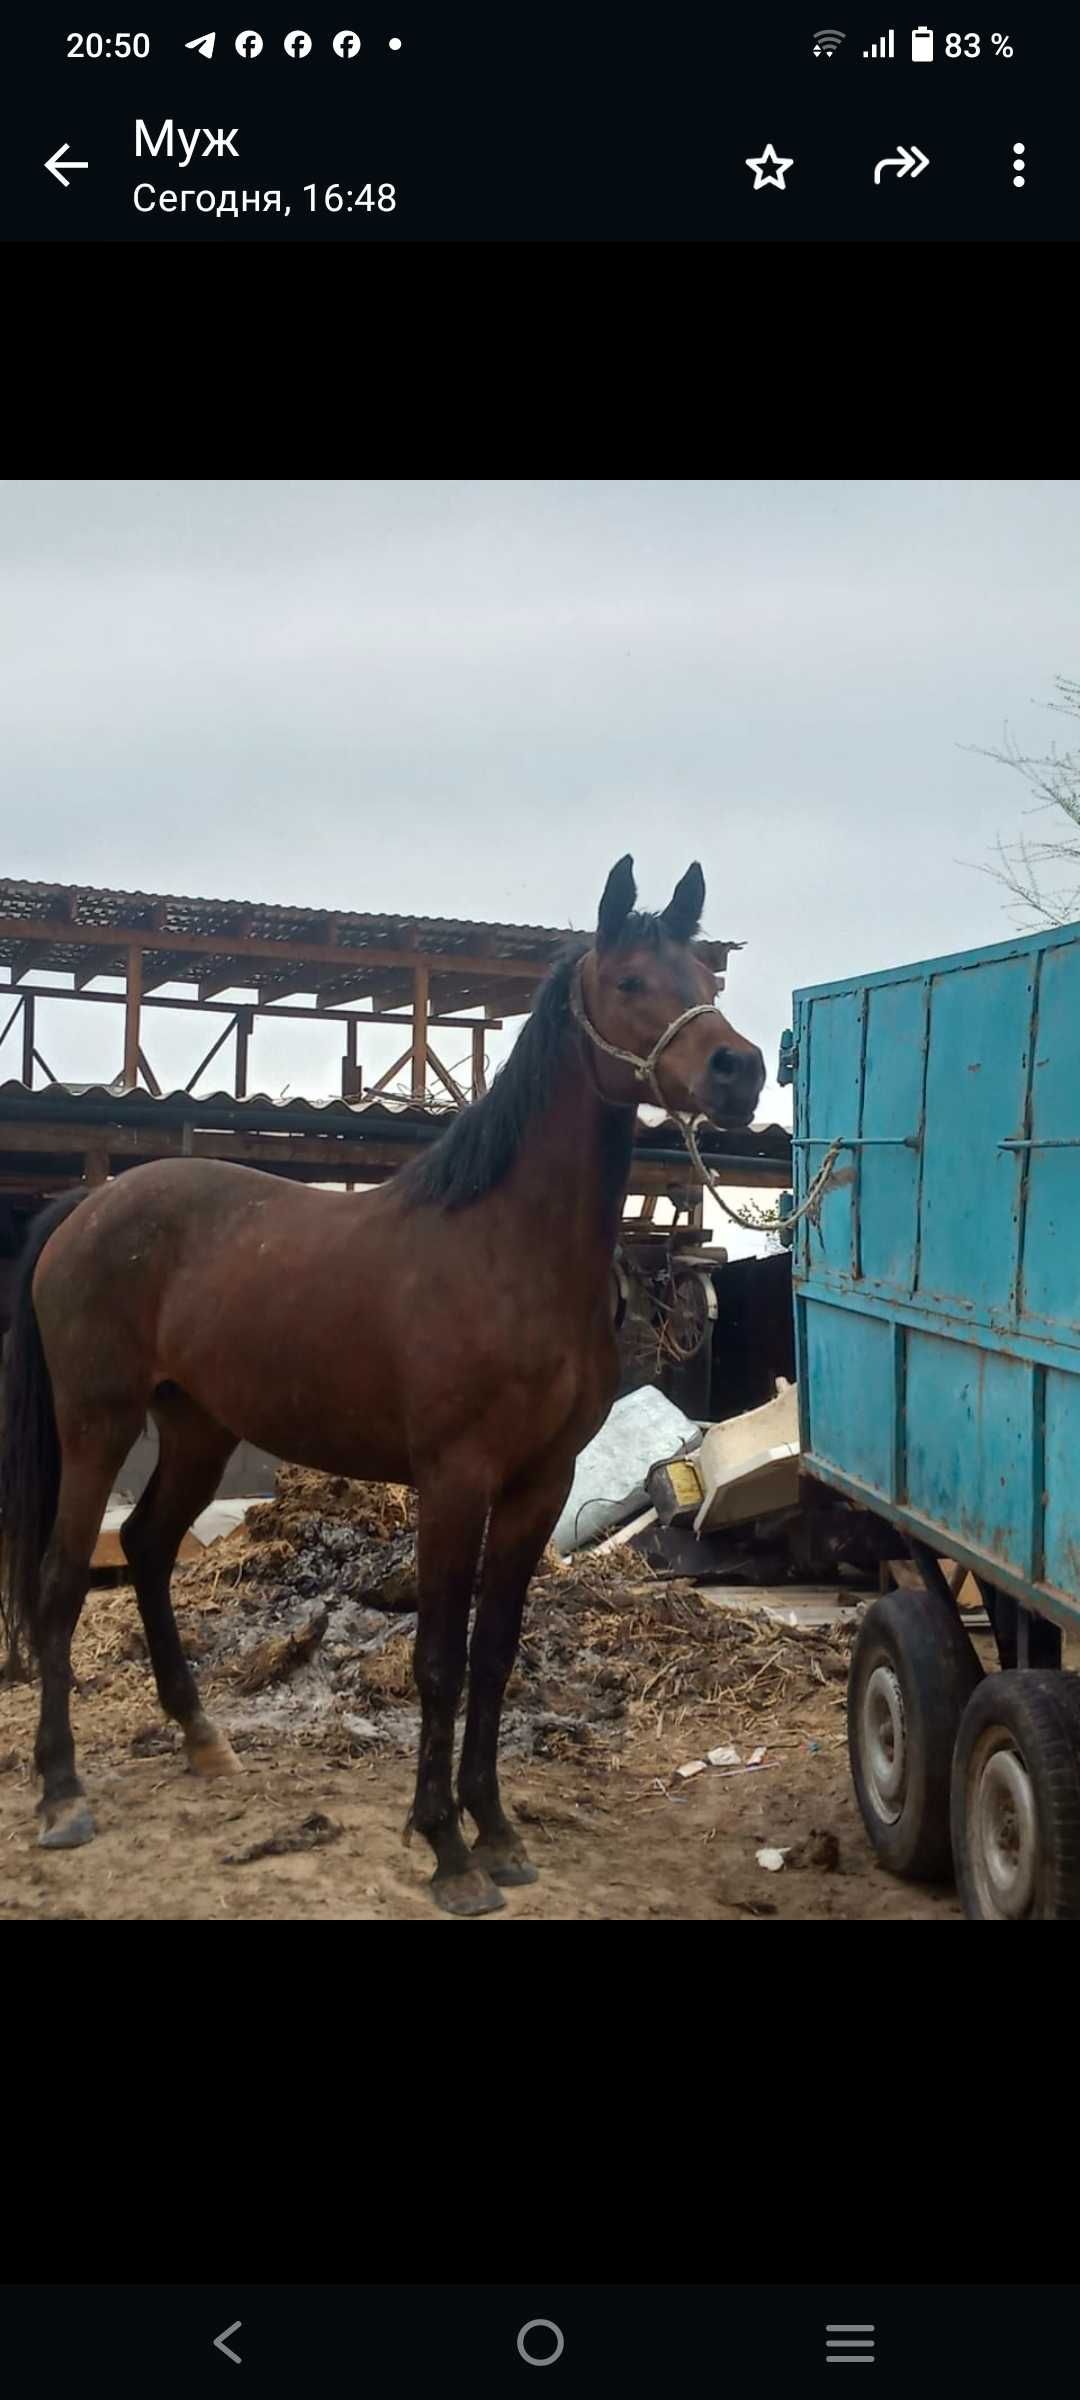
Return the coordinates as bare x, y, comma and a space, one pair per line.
116, 1101
159, 914
271, 920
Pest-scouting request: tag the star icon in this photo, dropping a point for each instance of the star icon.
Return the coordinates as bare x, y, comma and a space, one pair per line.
769, 159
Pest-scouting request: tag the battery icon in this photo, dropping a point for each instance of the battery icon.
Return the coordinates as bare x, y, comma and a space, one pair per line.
922, 43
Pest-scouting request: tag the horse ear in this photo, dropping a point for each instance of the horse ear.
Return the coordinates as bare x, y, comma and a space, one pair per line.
620, 893
682, 916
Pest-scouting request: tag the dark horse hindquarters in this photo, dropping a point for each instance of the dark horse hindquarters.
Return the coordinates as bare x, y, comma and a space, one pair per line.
231, 1305
29, 1448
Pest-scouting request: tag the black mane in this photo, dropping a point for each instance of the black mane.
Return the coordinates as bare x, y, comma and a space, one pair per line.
480, 1144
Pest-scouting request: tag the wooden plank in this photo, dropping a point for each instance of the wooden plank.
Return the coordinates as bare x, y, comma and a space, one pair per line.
157, 976
91, 968
287, 953
28, 955
388, 1078
243, 1037
72, 1139
211, 1053
343, 990
28, 1041
132, 998
479, 1079
227, 1008
419, 1032
351, 1079
151, 1079
446, 1078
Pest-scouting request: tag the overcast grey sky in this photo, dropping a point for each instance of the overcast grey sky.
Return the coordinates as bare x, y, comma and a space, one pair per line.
470, 698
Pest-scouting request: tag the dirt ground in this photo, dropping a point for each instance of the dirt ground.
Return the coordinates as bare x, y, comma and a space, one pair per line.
621, 1680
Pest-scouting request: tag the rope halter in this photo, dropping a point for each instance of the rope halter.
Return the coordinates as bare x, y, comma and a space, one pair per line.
644, 1068
757, 1220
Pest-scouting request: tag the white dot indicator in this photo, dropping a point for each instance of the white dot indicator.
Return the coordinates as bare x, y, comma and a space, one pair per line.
394, 43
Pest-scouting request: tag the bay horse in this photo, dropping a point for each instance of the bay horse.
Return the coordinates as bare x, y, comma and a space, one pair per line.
452, 1330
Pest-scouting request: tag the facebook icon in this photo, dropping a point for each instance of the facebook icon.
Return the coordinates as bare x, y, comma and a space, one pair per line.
298, 44
249, 44
346, 44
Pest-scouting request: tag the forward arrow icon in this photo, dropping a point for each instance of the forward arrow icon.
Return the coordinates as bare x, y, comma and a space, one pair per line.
905, 164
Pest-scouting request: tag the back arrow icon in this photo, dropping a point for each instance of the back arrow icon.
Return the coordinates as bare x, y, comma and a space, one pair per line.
57, 162
905, 163
221, 2342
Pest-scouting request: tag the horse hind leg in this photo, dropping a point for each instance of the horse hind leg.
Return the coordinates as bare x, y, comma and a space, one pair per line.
85, 1482
194, 1451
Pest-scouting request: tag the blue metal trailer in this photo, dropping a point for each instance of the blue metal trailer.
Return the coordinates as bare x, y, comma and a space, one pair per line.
937, 1304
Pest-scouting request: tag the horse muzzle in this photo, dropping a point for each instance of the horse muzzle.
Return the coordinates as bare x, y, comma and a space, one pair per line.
731, 1086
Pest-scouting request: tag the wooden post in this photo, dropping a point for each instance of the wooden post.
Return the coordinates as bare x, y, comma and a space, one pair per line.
28, 1040
96, 1167
243, 1036
351, 1082
478, 1084
149, 1076
419, 1036
131, 1016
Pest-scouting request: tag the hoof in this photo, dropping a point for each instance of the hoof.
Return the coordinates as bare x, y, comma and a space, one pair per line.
470, 1895
67, 1825
507, 1866
210, 1752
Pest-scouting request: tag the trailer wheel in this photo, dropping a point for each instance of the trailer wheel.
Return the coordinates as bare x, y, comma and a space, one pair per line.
913, 1670
1016, 1797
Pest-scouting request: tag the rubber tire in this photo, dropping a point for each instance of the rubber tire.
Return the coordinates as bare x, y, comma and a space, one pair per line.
1040, 1709
920, 1637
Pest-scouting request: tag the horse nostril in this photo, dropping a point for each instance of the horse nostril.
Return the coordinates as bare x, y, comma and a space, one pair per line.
723, 1062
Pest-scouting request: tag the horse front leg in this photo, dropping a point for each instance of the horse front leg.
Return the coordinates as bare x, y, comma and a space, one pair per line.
521, 1524
450, 1534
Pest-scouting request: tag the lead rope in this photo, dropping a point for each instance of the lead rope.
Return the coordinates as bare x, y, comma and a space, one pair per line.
760, 1220
754, 1220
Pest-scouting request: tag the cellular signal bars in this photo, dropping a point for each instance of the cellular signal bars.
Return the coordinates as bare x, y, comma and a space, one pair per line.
885, 48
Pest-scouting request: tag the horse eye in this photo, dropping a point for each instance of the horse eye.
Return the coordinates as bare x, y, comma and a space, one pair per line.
631, 983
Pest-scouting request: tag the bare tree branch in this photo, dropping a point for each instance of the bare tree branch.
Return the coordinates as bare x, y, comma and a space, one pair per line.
1055, 782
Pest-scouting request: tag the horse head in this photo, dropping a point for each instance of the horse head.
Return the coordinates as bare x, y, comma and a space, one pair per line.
648, 1002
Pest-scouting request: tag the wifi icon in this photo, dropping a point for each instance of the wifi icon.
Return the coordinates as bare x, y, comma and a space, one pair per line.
825, 43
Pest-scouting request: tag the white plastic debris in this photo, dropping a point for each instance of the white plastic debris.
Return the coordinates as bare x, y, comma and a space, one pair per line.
750, 1464
756, 1756
725, 1756
696, 1767
772, 1859
609, 1478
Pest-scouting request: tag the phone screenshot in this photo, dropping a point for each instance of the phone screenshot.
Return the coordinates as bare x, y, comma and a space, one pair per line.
396, 121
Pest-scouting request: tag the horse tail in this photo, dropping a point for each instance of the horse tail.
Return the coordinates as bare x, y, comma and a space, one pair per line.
29, 1447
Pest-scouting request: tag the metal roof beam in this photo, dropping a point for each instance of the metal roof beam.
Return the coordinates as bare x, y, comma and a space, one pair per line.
288, 954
